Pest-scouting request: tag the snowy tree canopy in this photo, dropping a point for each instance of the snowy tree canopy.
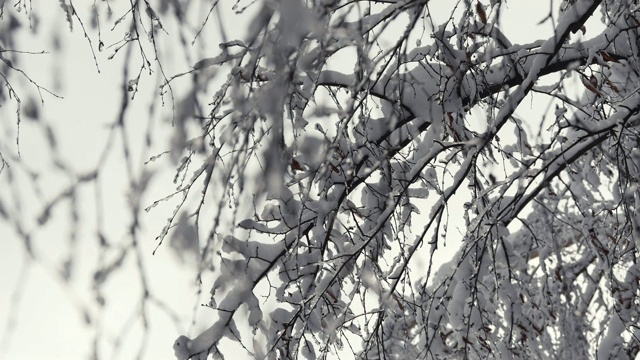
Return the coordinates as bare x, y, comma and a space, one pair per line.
329, 154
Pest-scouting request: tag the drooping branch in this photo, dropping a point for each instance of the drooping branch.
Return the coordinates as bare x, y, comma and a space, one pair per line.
425, 96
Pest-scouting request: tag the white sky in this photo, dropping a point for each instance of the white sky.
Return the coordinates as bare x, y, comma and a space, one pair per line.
48, 324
